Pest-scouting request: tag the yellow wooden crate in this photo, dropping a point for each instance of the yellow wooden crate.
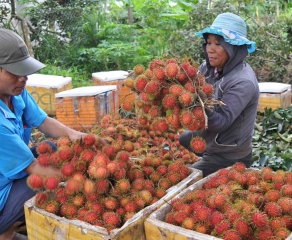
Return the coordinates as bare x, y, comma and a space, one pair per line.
115, 78
82, 108
44, 87
274, 95
42, 225
157, 229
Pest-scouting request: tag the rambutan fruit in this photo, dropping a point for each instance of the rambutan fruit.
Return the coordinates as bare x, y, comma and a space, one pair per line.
64, 141
148, 73
259, 219
127, 106
44, 148
91, 216
67, 169
52, 206
109, 150
286, 204
276, 223
198, 144
102, 186
87, 155
154, 111
88, 187
152, 87
263, 233
286, 190
220, 200
140, 83
172, 70
121, 173
60, 195
176, 89
162, 125
182, 77
89, 140
41, 199
239, 167
70, 210
101, 173
222, 227
208, 89
180, 216
201, 228
282, 233
73, 186
123, 156
188, 223
159, 192
169, 101
123, 185
65, 153
186, 99
156, 63
191, 71
111, 203
44, 159
128, 146
112, 167
273, 195
112, 218
129, 82
173, 120
139, 69
146, 196
231, 235
131, 206
203, 213
51, 183
189, 86
186, 118
100, 159
35, 181
243, 227
159, 73
78, 200
216, 217
273, 209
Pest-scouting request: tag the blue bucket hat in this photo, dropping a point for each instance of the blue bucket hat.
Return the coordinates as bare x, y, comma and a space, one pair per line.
232, 28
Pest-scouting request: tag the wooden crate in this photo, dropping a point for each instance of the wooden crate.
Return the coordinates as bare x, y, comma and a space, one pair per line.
157, 229
115, 78
274, 95
82, 108
42, 225
44, 87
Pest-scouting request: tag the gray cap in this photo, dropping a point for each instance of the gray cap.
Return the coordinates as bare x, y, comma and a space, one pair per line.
14, 56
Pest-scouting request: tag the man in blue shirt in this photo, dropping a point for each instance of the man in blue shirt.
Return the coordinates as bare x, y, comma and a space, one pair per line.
19, 113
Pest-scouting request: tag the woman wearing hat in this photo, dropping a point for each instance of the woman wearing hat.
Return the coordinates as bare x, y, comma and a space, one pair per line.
230, 127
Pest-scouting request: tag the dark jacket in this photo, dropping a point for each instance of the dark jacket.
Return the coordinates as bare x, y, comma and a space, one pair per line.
230, 127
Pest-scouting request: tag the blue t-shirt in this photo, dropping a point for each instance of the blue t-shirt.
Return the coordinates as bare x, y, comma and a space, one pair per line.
15, 131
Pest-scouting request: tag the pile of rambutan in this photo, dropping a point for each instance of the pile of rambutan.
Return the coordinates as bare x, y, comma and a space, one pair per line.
237, 203
172, 94
107, 184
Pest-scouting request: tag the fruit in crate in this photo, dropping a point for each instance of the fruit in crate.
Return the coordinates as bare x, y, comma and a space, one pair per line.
237, 203
105, 185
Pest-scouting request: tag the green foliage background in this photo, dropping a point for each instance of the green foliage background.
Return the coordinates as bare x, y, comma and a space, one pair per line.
85, 36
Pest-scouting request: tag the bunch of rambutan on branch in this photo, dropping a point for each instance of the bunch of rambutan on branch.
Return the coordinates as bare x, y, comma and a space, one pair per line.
172, 94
